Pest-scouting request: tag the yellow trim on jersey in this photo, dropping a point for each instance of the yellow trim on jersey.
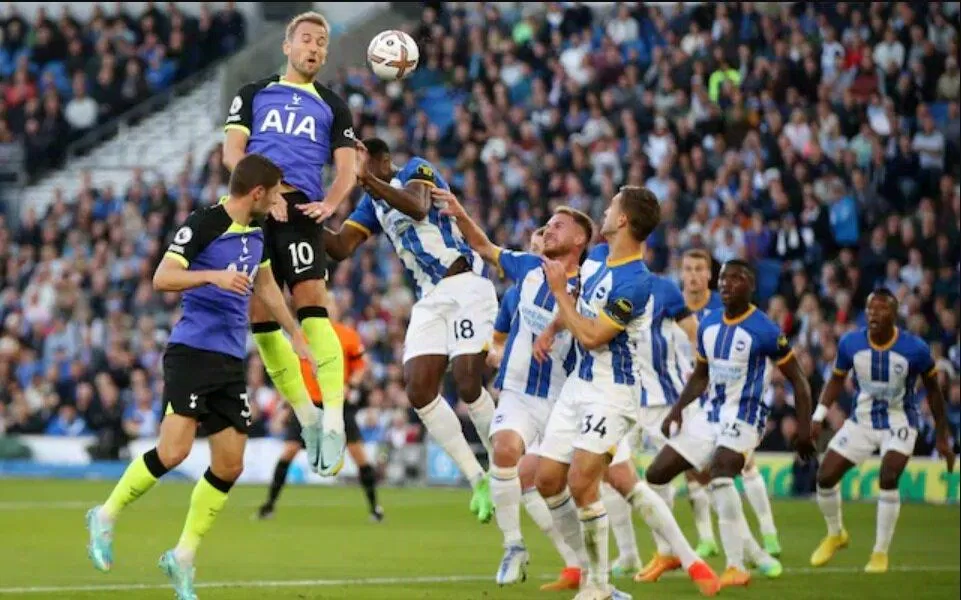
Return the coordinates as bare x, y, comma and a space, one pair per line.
786, 358
357, 225
707, 300
625, 260
169, 410
611, 320
840, 372
698, 356
500, 337
237, 127
932, 371
238, 228
178, 258
424, 181
497, 261
740, 318
894, 338
265, 263
304, 87
612, 450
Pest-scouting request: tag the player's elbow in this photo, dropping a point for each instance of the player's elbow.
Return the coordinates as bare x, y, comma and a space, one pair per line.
161, 283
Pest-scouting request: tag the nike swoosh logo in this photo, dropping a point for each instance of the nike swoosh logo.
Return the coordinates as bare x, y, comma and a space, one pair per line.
299, 270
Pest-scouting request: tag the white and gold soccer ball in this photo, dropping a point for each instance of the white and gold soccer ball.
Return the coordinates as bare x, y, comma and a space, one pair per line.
392, 55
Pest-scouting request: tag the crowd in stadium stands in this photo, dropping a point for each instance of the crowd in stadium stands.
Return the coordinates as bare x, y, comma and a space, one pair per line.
819, 141
60, 78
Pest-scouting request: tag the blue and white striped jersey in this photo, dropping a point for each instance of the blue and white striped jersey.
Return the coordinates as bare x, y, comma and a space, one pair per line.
713, 303
885, 378
619, 292
660, 362
427, 248
531, 307
738, 354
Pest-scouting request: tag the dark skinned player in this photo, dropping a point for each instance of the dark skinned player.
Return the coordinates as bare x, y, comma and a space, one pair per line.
887, 363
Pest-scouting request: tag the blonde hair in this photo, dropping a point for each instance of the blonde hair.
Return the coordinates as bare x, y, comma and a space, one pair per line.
306, 17
701, 254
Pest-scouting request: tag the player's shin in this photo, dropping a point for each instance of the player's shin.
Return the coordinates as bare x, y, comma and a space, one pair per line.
889, 507
443, 425
756, 492
595, 525
481, 412
564, 514
206, 502
283, 367
659, 518
329, 355
277, 484
829, 501
540, 513
619, 513
137, 479
506, 493
727, 502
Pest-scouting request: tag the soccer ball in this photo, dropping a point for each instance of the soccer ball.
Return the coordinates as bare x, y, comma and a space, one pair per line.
392, 55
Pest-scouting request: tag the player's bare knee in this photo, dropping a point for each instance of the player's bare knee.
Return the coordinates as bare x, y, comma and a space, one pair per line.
726, 463
549, 482
290, 452
622, 477
657, 473
228, 469
527, 470
888, 479
172, 454
508, 449
584, 489
259, 312
467, 377
422, 378
827, 479
312, 292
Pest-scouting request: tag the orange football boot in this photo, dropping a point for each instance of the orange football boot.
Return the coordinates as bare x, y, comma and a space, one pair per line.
705, 578
735, 577
569, 579
657, 567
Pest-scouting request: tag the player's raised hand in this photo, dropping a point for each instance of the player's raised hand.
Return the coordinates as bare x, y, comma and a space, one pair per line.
232, 281
556, 276
360, 163
943, 444
318, 211
448, 203
672, 423
804, 442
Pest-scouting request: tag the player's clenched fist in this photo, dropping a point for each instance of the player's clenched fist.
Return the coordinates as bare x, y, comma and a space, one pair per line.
232, 281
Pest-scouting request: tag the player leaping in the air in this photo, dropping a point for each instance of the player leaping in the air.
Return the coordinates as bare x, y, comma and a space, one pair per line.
214, 259
597, 407
735, 349
887, 362
453, 318
528, 387
355, 368
302, 126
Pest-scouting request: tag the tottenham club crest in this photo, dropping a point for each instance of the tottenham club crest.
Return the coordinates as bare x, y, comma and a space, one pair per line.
184, 235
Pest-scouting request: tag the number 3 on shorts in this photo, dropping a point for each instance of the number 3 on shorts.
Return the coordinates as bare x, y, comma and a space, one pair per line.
600, 427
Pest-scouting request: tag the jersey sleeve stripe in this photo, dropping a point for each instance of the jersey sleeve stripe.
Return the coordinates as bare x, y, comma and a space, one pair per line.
357, 225
840, 372
785, 358
178, 258
236, 127
611, 320
498, 251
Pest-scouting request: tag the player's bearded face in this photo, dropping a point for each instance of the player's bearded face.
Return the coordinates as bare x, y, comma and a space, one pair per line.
537, 242
307, 50
559, 236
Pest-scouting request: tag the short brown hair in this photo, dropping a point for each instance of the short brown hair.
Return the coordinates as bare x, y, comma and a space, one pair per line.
642, 209
253, 171
581, 219
306, 17
699, 254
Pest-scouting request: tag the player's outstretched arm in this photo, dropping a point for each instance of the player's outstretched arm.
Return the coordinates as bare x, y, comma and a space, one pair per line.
689, 326
345, 176
829, 395
266, 288
472, 232
936, 404
235, 147
341, 243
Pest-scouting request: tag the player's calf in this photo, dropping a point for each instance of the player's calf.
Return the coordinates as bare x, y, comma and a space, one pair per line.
468, 371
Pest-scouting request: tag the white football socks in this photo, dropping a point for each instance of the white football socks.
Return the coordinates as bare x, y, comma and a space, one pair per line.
564, 515
596, 527
537, 508
481, 413
829, 501
619, 514
701, 505
756, 491
660, 519
727, 502
506, 494
443, 425
889, 507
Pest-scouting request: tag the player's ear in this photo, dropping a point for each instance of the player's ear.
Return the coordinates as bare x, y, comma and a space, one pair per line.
286, 47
